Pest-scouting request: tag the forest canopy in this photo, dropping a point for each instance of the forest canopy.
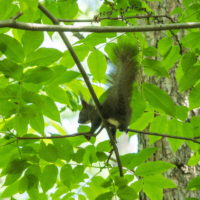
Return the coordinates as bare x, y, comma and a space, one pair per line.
41, 88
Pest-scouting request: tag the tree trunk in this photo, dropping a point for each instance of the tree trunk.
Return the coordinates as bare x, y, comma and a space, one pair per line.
182, 173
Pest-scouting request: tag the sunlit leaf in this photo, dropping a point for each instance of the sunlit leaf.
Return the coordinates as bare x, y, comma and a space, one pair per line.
152, 168
43, 57
11, 48
46, 150
48, 177
158, 98
97, 64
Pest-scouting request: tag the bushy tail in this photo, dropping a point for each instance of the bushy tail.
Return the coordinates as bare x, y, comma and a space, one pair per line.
117, 103
125, 58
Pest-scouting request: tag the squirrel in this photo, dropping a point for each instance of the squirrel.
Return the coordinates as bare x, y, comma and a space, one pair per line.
116, 106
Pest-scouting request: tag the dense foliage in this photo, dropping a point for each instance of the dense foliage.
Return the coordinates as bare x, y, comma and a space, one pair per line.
40, 86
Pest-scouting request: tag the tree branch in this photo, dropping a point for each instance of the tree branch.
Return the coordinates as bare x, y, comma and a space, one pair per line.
164, 135
87, 81
98, 19
55, 137
106, 29
94, 135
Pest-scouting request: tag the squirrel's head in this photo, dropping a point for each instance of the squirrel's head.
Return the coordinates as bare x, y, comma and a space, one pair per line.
84, 115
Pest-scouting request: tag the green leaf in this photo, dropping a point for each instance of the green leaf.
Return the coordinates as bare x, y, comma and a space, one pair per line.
126, 193
38, 75
81, 51
81, 197
159, 99
101, 156
95, 188
156, 66
37, 122
131, 160
48, 152
15, 166
7, 108
150, 51
11, 48
190, 40
105, 196
66, 175
104, 146
175, 127
61, 75
3, 82
28, 111
11, 69
190, 77
43, 57
120, 182
31, 97
34, 170
191, 199
58, 94
94, 39
149, 190
171, 57
31, 40
195, 122
158, 125
67, 9
137, 185
48, 177
50, 109
90, 155
64, 149
28, 6
194, 97
11, 178
7, 151
7, 9
181, 112
151, 168
10, 190
78, 173
97, 65
23, 184
194, 160
188, 60
21, 124
159, 181
78, 156
142, 122
32, 188
164, 45
194, 184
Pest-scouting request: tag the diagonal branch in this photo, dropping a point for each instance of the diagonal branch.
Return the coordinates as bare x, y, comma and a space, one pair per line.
86, 79
98, 29
164, 135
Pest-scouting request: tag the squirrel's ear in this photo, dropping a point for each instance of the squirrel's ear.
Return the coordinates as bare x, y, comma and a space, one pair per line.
84, 103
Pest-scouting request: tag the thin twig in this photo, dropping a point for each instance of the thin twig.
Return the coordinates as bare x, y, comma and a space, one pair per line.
87, 81
18, 15
164, 135
55, 136
109, 157
98, 19
94, 135
97, 29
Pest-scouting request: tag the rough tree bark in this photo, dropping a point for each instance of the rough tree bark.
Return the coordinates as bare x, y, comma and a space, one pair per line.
182, 173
